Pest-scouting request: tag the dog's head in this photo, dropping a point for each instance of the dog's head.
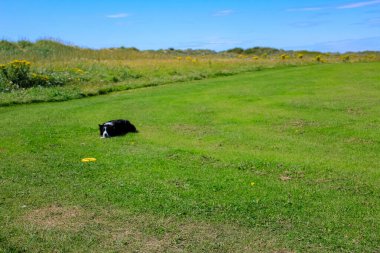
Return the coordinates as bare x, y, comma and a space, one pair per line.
106, 129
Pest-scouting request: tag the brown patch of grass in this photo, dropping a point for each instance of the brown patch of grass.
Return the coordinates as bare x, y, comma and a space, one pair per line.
145, 233
285, 178
57, 217
119, 230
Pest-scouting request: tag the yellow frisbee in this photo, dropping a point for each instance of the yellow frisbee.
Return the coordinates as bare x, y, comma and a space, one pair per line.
89, 159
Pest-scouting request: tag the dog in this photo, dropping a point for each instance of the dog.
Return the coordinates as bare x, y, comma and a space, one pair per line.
116, 128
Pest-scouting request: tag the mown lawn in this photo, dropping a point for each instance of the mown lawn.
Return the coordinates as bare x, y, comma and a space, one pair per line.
277, 160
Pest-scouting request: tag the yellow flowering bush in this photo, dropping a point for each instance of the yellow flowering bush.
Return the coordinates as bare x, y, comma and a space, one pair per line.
345, 58
319, 58
17, 75
39, 80
284, 56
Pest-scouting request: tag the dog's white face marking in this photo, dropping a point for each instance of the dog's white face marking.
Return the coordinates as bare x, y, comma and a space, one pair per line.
105, 134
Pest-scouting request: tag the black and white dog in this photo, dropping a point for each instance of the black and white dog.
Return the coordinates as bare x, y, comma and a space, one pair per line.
116, 128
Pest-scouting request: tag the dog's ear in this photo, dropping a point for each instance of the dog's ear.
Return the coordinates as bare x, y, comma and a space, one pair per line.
100, 126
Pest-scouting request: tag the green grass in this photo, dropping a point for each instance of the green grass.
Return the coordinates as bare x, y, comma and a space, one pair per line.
307, 137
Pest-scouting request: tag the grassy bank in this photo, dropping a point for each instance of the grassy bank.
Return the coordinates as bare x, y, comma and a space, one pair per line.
59, 72
273, 161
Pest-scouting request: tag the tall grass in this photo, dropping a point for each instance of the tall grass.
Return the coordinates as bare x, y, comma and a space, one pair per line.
87, 72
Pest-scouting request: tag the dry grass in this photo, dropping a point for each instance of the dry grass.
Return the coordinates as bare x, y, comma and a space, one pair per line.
57, 217
120, 231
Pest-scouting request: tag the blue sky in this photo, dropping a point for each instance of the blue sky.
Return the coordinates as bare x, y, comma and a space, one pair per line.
340, 25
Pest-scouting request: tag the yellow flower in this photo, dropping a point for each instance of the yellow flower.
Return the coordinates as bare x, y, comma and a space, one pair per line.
252, 183
20, 62
89, 159
78, 70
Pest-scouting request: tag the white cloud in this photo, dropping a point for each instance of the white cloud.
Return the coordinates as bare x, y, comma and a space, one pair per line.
118, 15
359, 4
223, 13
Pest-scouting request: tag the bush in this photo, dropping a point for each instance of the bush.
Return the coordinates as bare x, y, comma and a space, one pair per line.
17, 75
318, 58
345, 58
7, 46
236, 50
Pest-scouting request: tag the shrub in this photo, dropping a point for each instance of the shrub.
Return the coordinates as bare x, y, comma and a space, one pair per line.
345, 58
47, 80
17, 75
5, 85
318, 58
7, 46
236, 50
284, 56
24, 44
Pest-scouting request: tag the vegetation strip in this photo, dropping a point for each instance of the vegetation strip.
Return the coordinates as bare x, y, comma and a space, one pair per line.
47, 71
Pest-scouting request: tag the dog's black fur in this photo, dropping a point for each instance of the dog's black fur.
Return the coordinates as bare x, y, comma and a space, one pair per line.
116, 128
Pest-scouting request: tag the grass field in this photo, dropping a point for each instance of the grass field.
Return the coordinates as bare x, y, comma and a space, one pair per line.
278, 160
